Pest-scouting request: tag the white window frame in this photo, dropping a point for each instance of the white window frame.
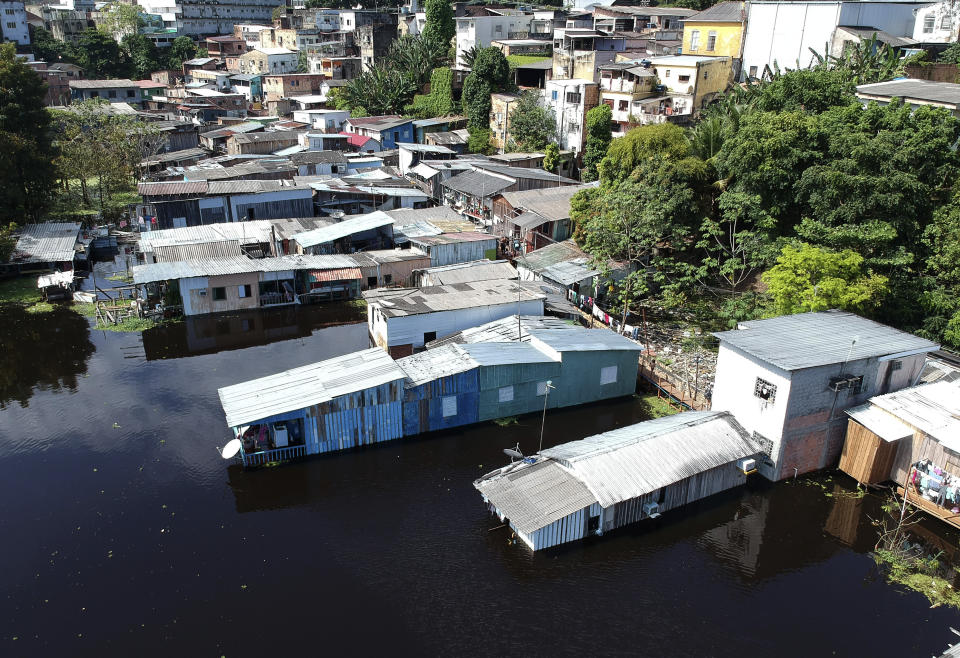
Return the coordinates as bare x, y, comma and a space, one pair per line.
711, 41
608, 375
694, 40
929, 22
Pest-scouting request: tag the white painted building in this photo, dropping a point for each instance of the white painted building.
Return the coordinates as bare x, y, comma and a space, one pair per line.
326, 121
783, 32
14, 25
788, 381
937, 23
402, 320
481, 31
570, 100
202, 17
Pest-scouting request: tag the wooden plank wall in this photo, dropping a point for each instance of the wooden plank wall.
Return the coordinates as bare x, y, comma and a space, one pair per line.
866, 457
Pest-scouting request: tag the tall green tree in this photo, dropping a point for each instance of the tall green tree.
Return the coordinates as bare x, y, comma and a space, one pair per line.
121, 20
142, 54
599, 135
439, 102
182, 49
663, 140
26, 165
46, 48
809, 278
532, 125
551, 157
440, 25
491, 74
100, 56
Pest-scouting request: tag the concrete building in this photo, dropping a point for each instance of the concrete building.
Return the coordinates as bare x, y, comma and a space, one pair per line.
915, 93
639, 19
388, 130
570, 100
692, 81
784, 32
113, 91
201, 18
789, 379
403, 320
265, 61
628, 88
375, 40
500, 111
937, 23
482, 31
717, 31
291, 84
13, 23
226, 46
577, 53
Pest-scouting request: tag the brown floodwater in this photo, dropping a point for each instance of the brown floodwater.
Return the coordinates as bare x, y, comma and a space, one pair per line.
125, 533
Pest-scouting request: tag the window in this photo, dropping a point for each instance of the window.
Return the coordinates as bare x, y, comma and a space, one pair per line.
624, 106
945, 22
764, 390
573, 97
388, 278
695, 40
112, 93
753, 71
219, 294
498, 29
449, 406
928, 23
608, 375
541, 388
12, 26
553, 95
9, 12
130, 93
506, 394
243, 291
371, 282
683, 78
667, 74
711, 41
429, 335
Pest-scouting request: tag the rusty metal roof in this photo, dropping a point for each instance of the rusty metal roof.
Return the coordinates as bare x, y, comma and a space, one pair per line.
337, 275
173, 188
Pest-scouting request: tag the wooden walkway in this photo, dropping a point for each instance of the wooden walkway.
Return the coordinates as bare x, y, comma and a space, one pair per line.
931, 508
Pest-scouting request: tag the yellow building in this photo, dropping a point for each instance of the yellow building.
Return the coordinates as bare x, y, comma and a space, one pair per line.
716, 31
692, 81
501, 107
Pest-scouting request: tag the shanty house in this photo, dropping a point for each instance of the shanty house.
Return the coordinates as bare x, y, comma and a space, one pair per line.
442, 390
789, 379
403, 320
46, 246
340, 403
611, 480
253, 238
479, 270
451, 248
562, 265
371, 231
537, 217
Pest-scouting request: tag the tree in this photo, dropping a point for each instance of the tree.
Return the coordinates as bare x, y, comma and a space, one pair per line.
808, 278
479, 141
551, 158
26, 167
951, 55
99, 55
469, 56
7, 241
303, 66
46, 48
599, 136
277, 13
805, 90
181, 50
439, 102
378, 91
121, 20
664, 140
532, 126
142, 54
491, 74
440, 24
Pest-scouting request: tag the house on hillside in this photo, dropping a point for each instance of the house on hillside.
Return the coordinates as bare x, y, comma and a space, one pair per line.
789, 380
535, 218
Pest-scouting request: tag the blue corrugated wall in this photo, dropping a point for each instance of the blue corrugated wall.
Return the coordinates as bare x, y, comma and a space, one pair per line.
423, 405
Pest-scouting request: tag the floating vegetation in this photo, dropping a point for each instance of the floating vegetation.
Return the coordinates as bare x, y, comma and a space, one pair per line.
657, 407
129, 325
507, 421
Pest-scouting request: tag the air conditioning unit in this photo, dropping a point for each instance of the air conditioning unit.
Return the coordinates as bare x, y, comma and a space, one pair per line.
747, 465
651, 510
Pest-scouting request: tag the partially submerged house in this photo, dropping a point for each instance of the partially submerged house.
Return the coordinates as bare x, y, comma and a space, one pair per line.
366, 397
253, 238
217, 285
46, 246
611, 480
403, 320
789, 380
452, 248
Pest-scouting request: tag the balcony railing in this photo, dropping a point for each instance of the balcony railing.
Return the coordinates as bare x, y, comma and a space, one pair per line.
277, 455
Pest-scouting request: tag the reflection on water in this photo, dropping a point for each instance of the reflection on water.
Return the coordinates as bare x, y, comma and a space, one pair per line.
45, 351
209, 334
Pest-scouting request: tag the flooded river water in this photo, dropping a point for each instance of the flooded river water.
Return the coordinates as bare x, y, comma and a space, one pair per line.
125, 533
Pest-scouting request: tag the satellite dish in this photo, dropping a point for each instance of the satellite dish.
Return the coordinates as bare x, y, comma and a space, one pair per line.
510, 452
230, 450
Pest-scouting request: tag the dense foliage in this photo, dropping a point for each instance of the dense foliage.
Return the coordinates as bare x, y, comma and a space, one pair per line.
787, 196
490, 75
532, 125
599, 136
440, 25
439, 102
26, 165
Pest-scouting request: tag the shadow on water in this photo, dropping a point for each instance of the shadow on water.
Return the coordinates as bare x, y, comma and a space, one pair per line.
209, 334
41, 351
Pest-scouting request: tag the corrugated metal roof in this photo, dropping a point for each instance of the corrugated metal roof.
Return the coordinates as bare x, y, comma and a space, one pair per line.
947, 93
453, 238
248, 232
357, 224
434, 364
399, 302
569, 272
582, 340
153, 272
551, 202
881, 423
50, 242
197, 188
722, 12
524, 172
632, 461
477, 183
867, 33
198, 250
934, 409
505, 330
437, 213
807, 340
535, 496
497, 354
558, 252
307, 386
341, 274
478, 270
